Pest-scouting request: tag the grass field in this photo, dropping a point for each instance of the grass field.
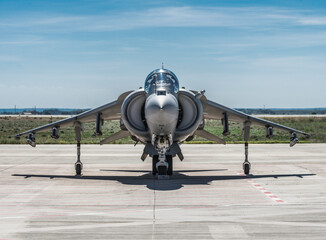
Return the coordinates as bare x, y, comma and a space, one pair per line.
9, 126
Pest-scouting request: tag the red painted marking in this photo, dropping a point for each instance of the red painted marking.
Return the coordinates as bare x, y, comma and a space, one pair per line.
259, 187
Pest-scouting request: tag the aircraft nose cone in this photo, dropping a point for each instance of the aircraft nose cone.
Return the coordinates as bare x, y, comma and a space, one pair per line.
162, 110
163, 102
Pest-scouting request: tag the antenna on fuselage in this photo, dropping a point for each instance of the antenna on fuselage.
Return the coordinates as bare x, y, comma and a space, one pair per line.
162, 65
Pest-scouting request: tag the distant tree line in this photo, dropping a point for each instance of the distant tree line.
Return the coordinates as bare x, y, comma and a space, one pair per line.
259, 111
283, 111
62, 112
46, 111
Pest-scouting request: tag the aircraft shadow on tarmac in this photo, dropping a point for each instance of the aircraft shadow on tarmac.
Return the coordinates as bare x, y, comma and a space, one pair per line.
177, 181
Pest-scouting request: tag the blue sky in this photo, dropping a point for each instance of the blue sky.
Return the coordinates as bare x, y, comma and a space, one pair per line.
85, 53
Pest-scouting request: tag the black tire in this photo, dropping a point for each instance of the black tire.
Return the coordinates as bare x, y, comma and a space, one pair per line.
169, 159
162, 170
78, 168
154, 161
246, 168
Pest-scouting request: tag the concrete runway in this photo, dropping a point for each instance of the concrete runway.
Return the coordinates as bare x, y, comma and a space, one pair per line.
207, 198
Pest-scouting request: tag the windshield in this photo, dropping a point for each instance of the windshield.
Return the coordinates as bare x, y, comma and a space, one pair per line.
161, 79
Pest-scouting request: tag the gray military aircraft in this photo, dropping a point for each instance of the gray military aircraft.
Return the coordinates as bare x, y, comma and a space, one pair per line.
162, 116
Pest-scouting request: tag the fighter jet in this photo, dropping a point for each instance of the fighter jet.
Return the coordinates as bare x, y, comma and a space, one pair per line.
161, 116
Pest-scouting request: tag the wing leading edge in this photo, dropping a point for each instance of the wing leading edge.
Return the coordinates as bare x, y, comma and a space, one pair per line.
110, 111
214, 110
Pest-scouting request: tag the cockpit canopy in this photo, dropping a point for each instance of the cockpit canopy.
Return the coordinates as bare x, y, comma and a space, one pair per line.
161, 79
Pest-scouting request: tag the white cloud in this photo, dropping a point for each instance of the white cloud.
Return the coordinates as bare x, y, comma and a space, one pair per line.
317, 21
22, 39
27, 42
260, 45
29, 21
170, 17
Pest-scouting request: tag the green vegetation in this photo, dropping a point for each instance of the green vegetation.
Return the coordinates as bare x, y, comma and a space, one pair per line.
9, 126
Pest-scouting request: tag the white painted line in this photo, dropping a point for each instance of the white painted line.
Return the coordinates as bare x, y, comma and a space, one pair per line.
163, 209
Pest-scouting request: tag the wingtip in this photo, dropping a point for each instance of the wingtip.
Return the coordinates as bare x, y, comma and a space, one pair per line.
307, 135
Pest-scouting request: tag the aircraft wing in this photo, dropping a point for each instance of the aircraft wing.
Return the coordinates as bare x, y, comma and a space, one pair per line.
214, 110
110, 111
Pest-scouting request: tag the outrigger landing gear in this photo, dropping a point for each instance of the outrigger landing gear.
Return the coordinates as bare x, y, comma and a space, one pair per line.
78, 164
246, 165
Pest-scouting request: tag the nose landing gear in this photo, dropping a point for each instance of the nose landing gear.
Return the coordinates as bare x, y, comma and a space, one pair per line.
162, 166
162, 163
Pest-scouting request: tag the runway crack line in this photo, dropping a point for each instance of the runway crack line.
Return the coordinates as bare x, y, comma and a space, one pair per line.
17, 165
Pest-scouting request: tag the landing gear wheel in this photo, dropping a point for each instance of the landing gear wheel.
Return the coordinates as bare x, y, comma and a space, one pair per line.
246, 168
169, 160
154, 161
162, 170
78, 168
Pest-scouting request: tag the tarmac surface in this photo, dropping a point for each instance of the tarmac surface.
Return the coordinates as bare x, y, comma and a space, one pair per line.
208, 197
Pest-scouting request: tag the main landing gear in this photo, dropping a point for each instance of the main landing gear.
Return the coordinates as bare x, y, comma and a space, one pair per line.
78, 164
154, 162
162, 165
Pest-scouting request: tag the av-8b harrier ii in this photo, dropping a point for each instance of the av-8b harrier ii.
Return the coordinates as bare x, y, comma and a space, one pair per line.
161, 116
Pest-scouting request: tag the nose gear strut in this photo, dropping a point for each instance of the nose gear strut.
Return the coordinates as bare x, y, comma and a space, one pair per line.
162, 162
